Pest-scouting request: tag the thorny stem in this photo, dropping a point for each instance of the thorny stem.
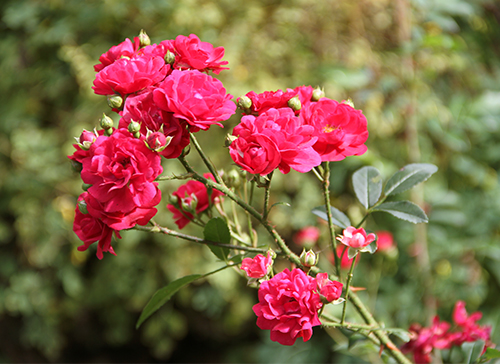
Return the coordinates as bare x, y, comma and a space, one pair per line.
267, 187
292, 257
206, 160
347, 286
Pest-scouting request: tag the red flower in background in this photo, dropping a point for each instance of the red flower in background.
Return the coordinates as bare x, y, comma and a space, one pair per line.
288, 306
385, 240
308, 235
193, 96
192, 196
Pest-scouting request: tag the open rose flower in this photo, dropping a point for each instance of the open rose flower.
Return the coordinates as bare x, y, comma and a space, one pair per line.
259, 266
330, 290
269, 100
341, 130
288, 306
125, 49
356, 238
193, 96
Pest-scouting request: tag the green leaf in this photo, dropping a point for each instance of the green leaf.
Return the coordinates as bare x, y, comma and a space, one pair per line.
351, 253
402, 334
163, 295
338, 217
372, 248
473, 350
492, 354
217, 231
408, 177
404, 210
367, 184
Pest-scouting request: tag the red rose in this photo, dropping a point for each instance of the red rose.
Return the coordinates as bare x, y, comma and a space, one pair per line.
191, 53
341, 130
126, 76
269, 100
192, 198
91, 229
257, 267
330, 290
142, 109
198, 98
124, 49
121, 170
288, 306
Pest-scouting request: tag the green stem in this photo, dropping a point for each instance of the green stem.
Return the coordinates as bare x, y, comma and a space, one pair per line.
347, 286
326, 194
160, 229
169, 178
205, 159
267, 193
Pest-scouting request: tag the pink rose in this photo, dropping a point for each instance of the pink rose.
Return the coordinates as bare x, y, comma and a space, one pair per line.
356, 238
191, 53
126, 76
257, 267
288, 306
269, 100
192, 196
308, 235
330, 290
193, 96
121, 170
340, 129
142, 109
470, 330
124, 49
91, 229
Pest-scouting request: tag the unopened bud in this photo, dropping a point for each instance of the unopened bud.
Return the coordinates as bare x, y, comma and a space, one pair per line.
174, 200
169, 58
76, 166
308, 258
86, 139
157, 141
190, 205
106, 122
244, 103
86, 186
134, 127
317, 94
82, 206
348, 102
232, 178
144, 39
115, 101
294, 103
229, 140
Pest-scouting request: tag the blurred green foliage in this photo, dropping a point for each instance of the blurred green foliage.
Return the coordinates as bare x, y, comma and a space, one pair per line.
425, 73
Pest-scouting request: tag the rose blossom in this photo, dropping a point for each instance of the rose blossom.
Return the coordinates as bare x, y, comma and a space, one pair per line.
126, 76
142, 109
192, 194
471, 331
308, 235
341, 129
269, 100
257, 267
90, 229
121, 170
124, 49
356, 238
191, 53
330, 290
193, 96
288, 306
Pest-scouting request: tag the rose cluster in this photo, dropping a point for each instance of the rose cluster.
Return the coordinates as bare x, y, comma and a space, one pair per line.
162, 93
289, 303
439, 335
295, 129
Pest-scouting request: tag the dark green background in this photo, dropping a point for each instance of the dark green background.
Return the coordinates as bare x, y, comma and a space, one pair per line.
426, 75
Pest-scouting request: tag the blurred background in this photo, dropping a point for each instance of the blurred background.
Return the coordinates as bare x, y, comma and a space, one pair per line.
426, 74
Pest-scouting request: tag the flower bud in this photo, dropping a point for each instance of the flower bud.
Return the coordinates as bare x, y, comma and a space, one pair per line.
86, 186
144, 39
308, 258
229, 139
115, 101
108, 132
82, 206
294, 103
169, 58
174, 200
348, 102
317, 94
76, 166
157, 141
244, 103
86, 139
106, 122
232, 179
134, 127
189, 205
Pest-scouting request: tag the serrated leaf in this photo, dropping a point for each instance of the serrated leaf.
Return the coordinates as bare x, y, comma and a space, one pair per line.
408, 177
338, 217
473, 350
492, 354
367, 184
404, 210
217, 231
163, 295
